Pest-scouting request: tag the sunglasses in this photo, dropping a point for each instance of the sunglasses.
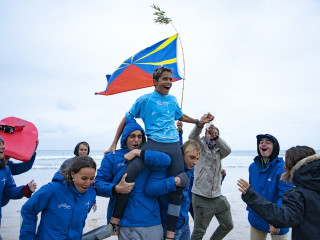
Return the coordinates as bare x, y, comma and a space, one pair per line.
10, 129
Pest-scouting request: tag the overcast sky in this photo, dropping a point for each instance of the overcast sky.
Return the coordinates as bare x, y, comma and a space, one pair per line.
253, 64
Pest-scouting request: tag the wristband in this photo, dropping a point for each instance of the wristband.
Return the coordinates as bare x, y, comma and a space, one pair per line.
198, 124
26, 191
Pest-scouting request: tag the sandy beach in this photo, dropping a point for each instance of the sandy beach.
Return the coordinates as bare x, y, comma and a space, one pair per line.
11, 213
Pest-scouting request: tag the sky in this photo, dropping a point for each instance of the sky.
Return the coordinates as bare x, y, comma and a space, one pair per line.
253, 64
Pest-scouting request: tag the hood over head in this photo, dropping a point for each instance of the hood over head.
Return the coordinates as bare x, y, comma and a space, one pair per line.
130, 126
306, 173
276, 146
76, 149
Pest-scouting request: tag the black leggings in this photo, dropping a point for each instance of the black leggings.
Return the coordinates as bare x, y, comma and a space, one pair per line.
136, 166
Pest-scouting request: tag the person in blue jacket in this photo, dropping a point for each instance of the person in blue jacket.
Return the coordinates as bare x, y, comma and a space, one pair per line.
264, 176
64, 204
17, 169
300, 205
7, 184
141, 219
160, 185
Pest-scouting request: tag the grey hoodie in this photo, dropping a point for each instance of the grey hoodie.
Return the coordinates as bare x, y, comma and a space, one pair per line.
207, 174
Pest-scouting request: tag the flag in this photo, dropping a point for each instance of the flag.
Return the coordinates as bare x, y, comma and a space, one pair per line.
136, 71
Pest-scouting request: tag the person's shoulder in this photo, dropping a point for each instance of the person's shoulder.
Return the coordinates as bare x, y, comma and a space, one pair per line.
144, 96
113, 157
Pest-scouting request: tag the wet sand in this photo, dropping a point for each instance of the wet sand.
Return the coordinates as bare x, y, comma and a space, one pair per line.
11, 213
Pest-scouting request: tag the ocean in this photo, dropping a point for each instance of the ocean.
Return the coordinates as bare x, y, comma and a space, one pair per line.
52, 159
49, 161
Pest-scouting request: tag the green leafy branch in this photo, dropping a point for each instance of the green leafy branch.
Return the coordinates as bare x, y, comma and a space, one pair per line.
163, 19
160, 15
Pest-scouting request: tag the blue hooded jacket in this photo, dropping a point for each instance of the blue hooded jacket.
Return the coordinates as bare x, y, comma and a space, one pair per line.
8, 187
141, 211
160, 185
266, 182
63, 211
16, 169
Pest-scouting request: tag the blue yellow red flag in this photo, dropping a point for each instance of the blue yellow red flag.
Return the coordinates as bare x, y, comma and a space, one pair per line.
136, 71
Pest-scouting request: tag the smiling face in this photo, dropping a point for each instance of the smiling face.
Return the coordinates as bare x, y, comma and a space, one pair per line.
83, 150
191, 158
83, 179
164, 83
1, 150
265, 148
211, 133
134, 140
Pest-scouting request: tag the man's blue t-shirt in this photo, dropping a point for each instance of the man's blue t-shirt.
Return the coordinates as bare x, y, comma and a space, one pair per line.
158, 113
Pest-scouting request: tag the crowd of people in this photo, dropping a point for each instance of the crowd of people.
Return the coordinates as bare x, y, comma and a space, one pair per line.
155, 181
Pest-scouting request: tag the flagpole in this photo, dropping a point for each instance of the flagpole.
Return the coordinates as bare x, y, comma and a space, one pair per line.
162, 19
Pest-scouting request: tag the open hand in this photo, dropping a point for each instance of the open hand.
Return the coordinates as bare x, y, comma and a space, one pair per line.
32, 185
243, 186
124, 187
132, 154
273, 230
112, 148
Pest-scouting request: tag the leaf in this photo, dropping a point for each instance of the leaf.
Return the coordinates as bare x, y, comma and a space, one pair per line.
161, 15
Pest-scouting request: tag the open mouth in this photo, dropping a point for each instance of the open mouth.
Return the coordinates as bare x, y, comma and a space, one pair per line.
135, 145
167, 88
84, 189
264, 149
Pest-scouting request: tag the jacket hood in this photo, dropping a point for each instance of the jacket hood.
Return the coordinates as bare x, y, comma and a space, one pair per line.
130, 126
276, 145
306, 173
57, 177
76, 149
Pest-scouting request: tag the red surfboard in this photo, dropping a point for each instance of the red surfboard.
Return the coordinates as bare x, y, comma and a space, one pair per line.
19, 136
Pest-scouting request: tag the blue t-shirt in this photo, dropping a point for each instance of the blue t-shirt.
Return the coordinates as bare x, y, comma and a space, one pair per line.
158, 113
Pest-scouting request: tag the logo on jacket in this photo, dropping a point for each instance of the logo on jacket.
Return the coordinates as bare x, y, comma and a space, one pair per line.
4, 181
64, 205
269, 180
88, 204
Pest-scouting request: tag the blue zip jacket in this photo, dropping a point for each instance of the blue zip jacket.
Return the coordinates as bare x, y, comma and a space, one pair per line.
8, 186
160, 185
267, 183
16, 169
63, 211
141, 211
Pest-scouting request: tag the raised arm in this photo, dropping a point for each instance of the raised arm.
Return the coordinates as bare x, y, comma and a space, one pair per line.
290, 214
113, 146
196, 131
225, 149
18, 168
206, 118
